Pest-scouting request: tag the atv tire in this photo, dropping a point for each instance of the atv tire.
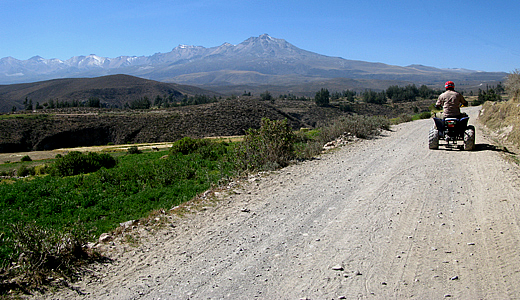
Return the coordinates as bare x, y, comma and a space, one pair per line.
469, 138
433, 138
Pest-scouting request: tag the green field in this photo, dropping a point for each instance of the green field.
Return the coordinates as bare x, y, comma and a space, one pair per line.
99, 201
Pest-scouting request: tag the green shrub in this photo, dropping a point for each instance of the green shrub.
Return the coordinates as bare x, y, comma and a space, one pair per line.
425, 115
270, 147
75, 163
41, 169
206, 148
24, 171
213, 150
134, 150
187, 145
355, 125
26, 158
346, 107
310, 144
402, 118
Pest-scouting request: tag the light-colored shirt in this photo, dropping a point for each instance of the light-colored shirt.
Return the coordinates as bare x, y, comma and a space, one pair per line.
451, 102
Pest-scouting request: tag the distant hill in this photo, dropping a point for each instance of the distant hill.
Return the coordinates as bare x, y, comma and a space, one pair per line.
262, 60
113, 90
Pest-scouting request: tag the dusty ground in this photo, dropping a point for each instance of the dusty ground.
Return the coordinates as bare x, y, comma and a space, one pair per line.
382, 219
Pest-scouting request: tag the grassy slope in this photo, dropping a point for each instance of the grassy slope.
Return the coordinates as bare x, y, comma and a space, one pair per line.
504, 119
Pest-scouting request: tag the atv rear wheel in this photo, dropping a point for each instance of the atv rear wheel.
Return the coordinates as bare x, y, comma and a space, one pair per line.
433, 138
469, 138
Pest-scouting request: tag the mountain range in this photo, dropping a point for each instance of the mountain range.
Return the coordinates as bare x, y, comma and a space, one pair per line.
261, 60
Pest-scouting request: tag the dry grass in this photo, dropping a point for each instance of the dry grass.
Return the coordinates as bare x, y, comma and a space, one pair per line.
503, 118
44, 258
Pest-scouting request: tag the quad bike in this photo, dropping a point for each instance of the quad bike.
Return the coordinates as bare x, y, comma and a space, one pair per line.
452, 130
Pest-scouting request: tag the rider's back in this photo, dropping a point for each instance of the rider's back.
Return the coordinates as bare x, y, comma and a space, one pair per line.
451, 102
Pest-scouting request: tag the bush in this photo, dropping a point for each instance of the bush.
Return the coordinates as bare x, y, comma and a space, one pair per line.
41, 254
513, 85
76, 163
356, 125
270, 147
402, 118
310, 144
41, 169
26, 158
213, 150
425, 115
134, 150
24, 171
187, 145
419, 116
206, 148
346, 107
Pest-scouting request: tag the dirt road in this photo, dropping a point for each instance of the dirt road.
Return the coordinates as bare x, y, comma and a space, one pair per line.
382, 219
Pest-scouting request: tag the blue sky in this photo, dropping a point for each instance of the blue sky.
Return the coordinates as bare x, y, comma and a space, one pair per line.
477, 35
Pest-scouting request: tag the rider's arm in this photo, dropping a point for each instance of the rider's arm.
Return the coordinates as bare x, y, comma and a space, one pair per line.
463, 101
439, 103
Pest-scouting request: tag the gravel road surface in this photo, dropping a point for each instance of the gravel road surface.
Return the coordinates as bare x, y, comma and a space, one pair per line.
380, 219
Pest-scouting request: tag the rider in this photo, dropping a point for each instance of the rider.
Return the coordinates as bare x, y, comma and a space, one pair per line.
451, 101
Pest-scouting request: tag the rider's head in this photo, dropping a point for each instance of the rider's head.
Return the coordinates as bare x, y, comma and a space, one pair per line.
449, 85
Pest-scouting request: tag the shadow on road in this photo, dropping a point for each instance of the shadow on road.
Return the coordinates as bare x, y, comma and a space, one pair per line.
488, 147
478, 147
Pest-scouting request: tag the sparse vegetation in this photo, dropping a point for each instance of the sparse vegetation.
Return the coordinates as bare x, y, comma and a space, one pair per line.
44, 255
502, 117
513, 85
269, 147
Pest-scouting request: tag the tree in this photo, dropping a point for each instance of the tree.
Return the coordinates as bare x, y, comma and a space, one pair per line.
513, 85
370, 96
349, 95
322, 97
143, 103
93, 102
28, 104
266, 96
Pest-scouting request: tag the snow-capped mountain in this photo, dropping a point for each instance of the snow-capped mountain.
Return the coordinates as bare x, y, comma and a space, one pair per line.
257, 60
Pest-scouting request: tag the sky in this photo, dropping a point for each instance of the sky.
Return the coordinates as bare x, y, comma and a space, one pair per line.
475, 35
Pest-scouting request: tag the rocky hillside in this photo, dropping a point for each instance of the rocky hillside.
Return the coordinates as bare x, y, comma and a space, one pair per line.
99, 127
